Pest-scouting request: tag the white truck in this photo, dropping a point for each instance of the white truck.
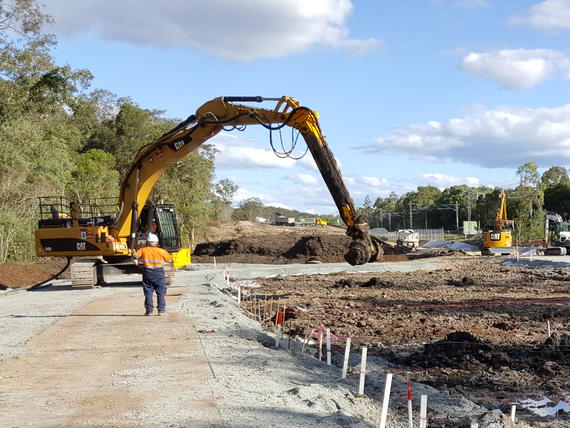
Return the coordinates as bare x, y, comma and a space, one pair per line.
408, 238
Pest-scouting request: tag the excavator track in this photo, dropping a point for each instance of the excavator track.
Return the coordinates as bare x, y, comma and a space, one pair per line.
83, 274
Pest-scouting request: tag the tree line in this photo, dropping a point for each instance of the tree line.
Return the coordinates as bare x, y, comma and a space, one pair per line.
59, 136
430, 207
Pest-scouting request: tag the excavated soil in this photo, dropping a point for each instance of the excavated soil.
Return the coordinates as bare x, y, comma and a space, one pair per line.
22, 275
246, 242
474, 327
288, 247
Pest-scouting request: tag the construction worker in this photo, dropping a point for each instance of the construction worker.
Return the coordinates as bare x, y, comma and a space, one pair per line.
152, 259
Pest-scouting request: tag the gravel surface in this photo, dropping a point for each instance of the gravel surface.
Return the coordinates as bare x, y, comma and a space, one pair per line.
24, 314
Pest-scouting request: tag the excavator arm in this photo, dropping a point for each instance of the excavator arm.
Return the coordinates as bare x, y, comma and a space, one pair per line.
154, 159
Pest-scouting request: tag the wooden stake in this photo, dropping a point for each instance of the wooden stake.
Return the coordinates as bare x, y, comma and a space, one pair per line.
289, 336
385, 403
410, 413
277, 315
513, 411
329, 351
423, 411
362, 371
346, 356
308, 332
320, 344
548, 328
278, 336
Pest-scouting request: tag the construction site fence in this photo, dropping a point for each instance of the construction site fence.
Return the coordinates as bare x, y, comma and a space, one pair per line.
425, 234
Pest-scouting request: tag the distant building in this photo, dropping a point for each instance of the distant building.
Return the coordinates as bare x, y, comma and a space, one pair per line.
261, 220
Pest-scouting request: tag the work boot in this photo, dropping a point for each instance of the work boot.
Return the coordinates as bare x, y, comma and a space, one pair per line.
148, 313
160, 314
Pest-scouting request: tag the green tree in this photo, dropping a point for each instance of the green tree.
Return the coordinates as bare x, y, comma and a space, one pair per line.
130, 129
557, 199
225, 189
94, 176
249, 209
555, 176
528, 175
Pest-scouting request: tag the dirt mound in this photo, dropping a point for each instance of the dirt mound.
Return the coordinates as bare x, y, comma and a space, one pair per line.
21, 275
275, 249
457, 348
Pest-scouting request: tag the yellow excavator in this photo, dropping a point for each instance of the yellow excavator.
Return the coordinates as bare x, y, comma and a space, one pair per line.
321, 222
93, 232
498, 239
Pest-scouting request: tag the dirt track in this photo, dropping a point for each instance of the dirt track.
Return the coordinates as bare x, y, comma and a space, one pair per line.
91, 368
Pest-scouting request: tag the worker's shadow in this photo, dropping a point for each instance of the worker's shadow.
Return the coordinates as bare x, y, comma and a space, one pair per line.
68, 287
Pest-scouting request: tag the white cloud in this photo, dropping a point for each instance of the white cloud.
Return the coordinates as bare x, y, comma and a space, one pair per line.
517, 68
270, 200
302, 178
360, 186
442, 181
236, 152
238, 30
546, 15
503, 137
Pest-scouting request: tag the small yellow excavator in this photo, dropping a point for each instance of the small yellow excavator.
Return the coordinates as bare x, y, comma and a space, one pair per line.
498, 240
90, 231
321, 222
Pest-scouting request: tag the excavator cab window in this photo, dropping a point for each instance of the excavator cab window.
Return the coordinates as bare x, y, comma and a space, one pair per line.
167, 227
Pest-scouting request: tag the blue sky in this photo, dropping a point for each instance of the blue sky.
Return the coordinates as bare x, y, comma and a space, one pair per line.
415, 92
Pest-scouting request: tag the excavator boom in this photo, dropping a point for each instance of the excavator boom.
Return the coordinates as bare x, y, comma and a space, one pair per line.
119, 237
210, 119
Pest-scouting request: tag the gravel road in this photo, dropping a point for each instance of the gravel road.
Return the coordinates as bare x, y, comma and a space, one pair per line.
87, 358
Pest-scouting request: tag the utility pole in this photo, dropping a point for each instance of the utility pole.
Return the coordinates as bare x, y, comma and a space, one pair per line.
425, 214
380, 209
390, 220
457, 216
411, 216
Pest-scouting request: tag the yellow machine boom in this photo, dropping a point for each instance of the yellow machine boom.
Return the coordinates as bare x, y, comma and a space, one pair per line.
499, 240
118, 236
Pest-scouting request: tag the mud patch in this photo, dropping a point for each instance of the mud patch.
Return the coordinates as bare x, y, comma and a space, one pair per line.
280, 249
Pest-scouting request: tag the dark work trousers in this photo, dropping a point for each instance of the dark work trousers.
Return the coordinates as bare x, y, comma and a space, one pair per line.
154, 280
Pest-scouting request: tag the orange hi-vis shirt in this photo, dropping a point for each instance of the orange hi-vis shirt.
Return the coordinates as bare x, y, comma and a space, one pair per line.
153, 257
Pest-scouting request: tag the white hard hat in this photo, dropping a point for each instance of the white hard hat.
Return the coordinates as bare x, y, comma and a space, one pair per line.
152, 238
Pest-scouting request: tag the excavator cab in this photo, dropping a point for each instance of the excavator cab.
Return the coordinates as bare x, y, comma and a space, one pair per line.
161, 220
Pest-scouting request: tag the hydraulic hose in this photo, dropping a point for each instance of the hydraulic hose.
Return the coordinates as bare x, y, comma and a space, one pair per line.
43, 283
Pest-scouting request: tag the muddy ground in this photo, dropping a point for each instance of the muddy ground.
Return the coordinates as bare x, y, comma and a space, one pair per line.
474, 328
